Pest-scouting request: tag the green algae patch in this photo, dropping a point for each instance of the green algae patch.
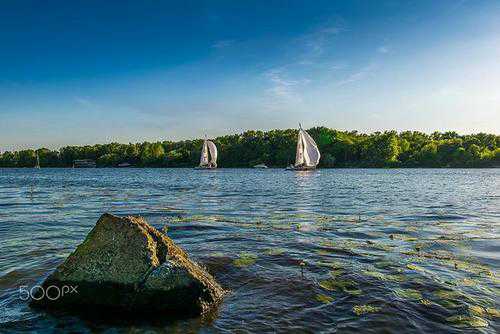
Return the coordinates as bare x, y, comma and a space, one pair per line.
245, 259
384, 277
325, 219
327, 285
467, 321
449, 298
216, 254
379, 246
449, 304
353, 291
492, 312
447, 294
275, 251
323, 252
477, 310
364, 309
466, 282
402, 237
329, 264
335, 273
340, 244
396, 278
178, 219
346, 286
328, 243
470, 267
411, 294
425, 302
324, 298
375, 274
346, 247
412, 266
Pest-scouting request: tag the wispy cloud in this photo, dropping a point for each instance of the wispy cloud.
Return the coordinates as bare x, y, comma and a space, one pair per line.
383, 49
222, 44
309, 53
337, 66
284, 90
316, 42
362, 74
87, 104
84, 102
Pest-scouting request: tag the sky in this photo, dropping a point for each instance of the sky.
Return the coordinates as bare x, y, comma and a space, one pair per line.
87, 72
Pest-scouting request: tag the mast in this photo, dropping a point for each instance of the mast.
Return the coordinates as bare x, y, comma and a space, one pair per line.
299, 154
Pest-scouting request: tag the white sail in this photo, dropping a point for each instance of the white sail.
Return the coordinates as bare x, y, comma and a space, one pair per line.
299, 154
213, 152
312, 149
204, 154
307, 151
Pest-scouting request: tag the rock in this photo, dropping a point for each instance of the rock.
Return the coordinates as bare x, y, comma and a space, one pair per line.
125, 264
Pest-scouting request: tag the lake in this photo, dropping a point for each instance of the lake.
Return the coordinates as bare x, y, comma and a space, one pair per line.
346, 250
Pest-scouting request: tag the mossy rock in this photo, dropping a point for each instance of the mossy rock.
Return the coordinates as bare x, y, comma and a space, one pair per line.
126, 265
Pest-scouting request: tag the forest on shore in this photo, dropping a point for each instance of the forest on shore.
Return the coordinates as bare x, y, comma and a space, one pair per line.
276, 148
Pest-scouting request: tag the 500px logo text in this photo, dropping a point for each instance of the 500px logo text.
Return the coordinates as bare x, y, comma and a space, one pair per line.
51, 292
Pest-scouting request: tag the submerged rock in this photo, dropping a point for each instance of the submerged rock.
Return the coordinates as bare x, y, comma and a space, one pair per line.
125, 264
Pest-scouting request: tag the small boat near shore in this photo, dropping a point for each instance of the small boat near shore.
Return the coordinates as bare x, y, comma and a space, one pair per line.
84, 163
261, 166
307, 155
208, 159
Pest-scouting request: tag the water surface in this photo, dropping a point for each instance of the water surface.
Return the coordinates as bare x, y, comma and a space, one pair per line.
344, 250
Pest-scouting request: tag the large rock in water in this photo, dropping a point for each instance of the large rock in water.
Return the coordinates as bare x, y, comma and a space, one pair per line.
125, 264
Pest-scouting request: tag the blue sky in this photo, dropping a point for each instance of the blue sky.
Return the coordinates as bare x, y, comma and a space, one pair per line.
85, 72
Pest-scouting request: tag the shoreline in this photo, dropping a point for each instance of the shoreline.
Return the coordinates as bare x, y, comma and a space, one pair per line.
283, 168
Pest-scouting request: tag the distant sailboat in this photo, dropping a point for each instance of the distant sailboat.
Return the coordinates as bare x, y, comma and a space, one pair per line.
307, 155
208, 159
37, 161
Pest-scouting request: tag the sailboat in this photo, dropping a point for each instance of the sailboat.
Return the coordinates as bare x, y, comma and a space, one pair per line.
37, 161
208, 159
307, 155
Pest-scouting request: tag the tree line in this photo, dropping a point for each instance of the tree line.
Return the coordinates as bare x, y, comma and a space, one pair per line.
276, 148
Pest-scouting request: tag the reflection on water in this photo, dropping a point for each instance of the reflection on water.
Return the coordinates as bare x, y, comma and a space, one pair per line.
345, 250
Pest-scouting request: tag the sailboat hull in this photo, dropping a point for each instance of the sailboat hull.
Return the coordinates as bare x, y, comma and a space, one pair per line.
205, 167
301, 168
